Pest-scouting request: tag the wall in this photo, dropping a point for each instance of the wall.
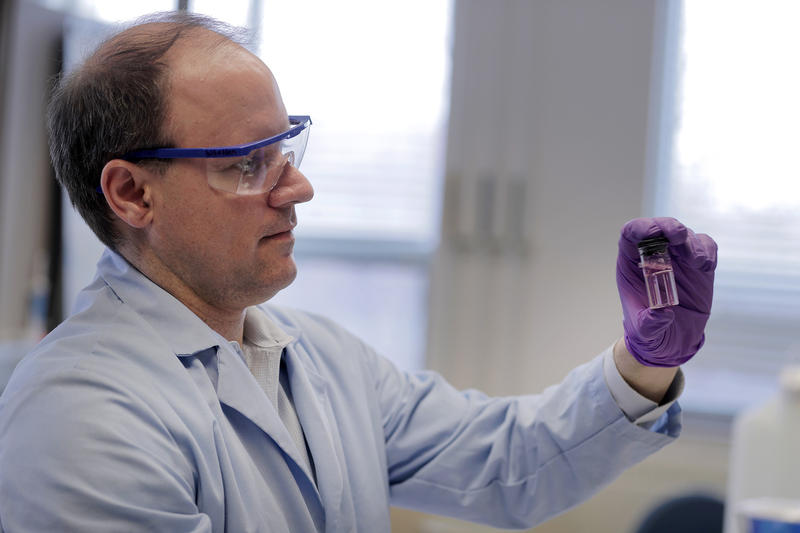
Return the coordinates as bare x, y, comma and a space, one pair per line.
25, 178
549, 110
551, 104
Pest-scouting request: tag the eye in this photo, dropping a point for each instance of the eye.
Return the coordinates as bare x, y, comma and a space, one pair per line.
247, 165
225, 165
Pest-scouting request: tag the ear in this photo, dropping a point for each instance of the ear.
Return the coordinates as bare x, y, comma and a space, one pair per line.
127, 189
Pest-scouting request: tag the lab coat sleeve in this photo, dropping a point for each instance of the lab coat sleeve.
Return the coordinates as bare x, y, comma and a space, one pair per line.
642, 411
509, 461
78, 453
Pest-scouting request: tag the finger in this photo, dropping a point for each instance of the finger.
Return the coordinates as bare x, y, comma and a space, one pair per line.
705, 253
699, 251
673, 229
635, 231
653, 322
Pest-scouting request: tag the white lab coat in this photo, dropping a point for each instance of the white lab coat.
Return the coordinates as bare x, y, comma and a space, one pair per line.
133, 415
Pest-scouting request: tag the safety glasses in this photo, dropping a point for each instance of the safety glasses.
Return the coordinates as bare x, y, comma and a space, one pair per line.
252, 168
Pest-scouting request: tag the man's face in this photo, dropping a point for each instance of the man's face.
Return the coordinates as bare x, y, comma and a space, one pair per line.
230, 251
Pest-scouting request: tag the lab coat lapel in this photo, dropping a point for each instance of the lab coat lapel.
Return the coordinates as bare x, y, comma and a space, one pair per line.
311, 400
237, 389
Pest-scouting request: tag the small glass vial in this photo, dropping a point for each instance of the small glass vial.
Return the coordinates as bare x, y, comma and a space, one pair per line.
658, 275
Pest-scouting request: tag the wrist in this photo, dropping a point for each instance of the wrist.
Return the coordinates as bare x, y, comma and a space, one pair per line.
652, 382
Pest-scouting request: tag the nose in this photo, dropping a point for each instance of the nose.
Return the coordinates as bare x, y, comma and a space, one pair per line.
292, 188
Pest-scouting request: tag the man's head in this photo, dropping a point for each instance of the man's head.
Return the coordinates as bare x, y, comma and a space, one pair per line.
114, 103
177, 81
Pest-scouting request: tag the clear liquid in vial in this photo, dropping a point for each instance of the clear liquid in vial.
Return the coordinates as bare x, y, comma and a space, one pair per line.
660, 282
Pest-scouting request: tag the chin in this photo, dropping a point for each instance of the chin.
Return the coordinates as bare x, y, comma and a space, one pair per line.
277, 282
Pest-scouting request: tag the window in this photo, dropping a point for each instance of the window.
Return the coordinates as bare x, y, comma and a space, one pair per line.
108, 12
732, 171
373, 76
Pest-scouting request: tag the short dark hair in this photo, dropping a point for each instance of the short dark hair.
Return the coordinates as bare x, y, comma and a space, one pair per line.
114, 103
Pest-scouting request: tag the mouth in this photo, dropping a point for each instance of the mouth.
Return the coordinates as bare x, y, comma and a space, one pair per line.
280, 234
281, 231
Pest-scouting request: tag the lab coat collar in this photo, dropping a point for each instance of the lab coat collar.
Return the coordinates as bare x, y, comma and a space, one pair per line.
188, 335
311, 401
183, 331
237, 389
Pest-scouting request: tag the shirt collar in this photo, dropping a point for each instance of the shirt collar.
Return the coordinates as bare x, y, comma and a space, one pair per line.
263, 332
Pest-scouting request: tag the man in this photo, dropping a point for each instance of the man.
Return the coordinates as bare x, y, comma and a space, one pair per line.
169, 402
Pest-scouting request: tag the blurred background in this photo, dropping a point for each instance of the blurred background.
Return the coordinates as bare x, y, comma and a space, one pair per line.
473, 163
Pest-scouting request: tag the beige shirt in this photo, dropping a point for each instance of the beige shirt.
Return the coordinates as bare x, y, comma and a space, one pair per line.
263, 347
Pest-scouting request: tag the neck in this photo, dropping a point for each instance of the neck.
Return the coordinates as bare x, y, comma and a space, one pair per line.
228, 323
227, 320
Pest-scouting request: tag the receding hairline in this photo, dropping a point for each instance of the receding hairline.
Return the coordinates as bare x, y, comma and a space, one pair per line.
165, 38
169, 30
116, 100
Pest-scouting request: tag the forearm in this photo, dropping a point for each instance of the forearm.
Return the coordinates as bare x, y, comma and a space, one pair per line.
652, 382
537, 454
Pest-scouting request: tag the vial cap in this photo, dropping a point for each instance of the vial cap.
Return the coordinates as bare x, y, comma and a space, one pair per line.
653, 245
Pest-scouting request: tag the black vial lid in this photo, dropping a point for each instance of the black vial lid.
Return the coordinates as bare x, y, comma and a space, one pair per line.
653, 245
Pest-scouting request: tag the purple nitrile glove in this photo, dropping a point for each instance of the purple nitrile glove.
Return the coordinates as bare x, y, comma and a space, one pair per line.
669, 336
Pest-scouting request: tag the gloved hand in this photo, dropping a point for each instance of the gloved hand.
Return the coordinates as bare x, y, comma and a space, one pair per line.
669, 336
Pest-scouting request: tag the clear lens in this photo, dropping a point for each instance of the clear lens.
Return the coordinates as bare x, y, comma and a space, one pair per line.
259, 171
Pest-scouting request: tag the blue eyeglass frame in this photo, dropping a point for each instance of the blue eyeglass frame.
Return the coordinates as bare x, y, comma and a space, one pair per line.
301, 122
